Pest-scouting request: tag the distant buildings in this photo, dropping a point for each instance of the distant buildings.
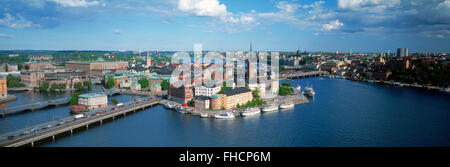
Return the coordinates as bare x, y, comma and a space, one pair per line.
31, 78
135, 87
96, 68
36, 66
67, 78
40, 57
93, 100
155, 88
402, 52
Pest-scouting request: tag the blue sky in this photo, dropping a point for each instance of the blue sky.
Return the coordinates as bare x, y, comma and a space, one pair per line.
312, 25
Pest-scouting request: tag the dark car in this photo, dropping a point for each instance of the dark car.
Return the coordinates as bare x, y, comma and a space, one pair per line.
10, 137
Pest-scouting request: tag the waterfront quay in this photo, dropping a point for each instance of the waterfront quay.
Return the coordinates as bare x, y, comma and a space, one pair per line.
296, 98
298, 75
49, 131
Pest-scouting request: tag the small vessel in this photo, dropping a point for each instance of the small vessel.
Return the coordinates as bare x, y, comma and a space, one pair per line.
287, 105
77, 109
445, 90
224, 116
251, 111
309, 91
270, 108
204, 115
180, 109
168, 106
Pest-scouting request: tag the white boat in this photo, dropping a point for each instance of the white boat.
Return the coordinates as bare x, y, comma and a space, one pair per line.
204, 115
445, 90
286, 105
168, 106
180, 109
224, 116
251, 111
270, 108
309, 91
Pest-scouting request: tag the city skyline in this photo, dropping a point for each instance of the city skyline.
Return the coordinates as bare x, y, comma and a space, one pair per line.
175, 25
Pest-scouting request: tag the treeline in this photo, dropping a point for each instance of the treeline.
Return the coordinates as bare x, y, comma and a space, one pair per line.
426, 73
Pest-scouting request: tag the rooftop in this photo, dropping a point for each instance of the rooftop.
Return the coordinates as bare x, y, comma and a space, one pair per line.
235, 91
91, 95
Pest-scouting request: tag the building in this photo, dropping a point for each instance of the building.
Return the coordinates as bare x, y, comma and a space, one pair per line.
230, 98
36, 66
93, 100
39, 57
31, 78
402, 52
3, 88
67, 78
96, 68
124, 83
215, 102
12, 67
155, 88
181, 95
205, 91
135, 87
148, 62
202, 102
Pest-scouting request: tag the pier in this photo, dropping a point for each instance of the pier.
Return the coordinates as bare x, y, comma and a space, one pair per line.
29, 136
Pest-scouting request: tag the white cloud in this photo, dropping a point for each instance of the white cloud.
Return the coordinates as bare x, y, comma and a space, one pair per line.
76, 3
203, 7
117, 31
365, 4
333, 25
17, 21
5, 36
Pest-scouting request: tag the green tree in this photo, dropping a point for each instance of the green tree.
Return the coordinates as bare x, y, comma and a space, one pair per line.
110, 83
44, 86
78, 86
164, 85
143, 82
87, 84
74, 99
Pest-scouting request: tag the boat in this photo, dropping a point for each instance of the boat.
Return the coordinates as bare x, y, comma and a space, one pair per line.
287, 105
180, 110
251, 111
445, 90
309, 91
168, 106
270, 108
204, 115
224, 116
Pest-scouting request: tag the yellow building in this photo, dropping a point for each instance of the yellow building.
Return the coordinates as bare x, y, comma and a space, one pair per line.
3, 88
230, 98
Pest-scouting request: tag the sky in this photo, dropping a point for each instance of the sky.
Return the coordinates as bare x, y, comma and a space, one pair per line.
226, 25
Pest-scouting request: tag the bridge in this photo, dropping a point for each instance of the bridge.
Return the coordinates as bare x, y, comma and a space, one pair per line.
44, 104
297, 75
49, 131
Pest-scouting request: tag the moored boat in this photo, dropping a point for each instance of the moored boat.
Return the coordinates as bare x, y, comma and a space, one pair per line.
224, 116
270, 108
287, 105
251, 111
180, 110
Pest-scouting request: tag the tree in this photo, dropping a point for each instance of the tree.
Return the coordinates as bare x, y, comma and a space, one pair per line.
6, 67
12, 81
88, 84
110, 83
164, 85
44, 86
78, 86
143, 82
27, 67
191, 103
114, 101
74, 99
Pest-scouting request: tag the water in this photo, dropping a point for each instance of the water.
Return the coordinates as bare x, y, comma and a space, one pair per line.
343, 113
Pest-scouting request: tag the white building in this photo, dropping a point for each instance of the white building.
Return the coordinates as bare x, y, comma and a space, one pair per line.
205, 91
93, 100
